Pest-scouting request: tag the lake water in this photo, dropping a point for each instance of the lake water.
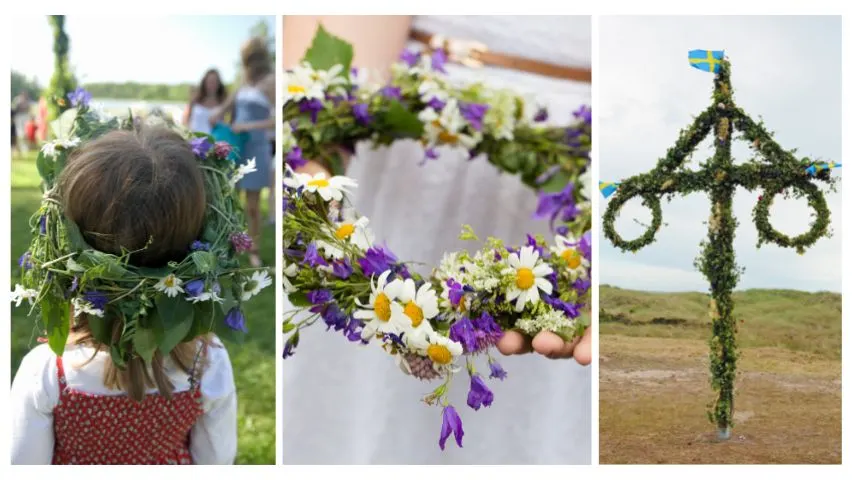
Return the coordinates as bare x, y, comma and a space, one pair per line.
117, 106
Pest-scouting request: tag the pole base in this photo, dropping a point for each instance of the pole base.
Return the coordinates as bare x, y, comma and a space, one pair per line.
724, 433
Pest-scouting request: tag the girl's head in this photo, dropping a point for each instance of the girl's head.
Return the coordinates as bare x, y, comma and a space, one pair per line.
210, 86
255, 58
135, 190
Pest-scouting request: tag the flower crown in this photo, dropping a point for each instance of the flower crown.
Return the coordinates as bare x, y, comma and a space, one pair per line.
160, 307
335, 272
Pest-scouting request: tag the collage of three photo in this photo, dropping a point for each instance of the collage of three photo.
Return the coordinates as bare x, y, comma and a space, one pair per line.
413, 240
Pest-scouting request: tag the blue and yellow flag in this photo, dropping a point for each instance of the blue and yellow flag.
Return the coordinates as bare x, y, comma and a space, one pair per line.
608, 188
819, 166
706, 60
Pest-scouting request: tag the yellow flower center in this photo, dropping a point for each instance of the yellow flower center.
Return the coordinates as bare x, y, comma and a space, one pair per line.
296, 89
414, 312
448, 137
439, 354
524, 278
382, 307
320, 182
169, 281
345, 230
572, 257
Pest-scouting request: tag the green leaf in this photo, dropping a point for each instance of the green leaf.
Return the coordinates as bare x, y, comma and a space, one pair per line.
172, 311
101, 328
299, 299
205, 261
45, 165
403, 122
117, 356
144, 343
168, 336
109, 264
55, 317
557, 182
75, 238
157, 273
327, 50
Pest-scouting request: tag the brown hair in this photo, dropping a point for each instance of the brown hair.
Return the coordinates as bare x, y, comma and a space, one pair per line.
255, 58
201, 92
136, 190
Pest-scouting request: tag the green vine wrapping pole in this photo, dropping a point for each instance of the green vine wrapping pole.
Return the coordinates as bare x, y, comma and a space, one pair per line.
774, 171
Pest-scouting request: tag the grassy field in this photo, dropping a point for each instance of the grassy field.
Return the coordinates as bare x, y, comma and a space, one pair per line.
253, 361
654, 382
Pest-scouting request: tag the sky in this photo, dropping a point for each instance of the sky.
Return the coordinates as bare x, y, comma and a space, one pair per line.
145, 49
785, 70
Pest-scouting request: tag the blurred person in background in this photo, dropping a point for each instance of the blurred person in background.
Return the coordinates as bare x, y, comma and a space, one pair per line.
206, 98
252, 104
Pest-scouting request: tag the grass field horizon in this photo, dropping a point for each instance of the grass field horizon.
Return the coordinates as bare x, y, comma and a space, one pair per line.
654, 378
253, 361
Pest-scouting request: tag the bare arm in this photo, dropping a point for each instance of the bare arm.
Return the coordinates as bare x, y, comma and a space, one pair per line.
186, 117
377, 42
219, 113
268, 86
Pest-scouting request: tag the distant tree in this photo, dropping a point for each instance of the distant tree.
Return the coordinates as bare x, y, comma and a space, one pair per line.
20, 83
62, 82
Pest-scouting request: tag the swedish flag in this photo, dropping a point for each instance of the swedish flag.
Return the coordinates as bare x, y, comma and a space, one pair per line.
819, 166
608, 188
706, 60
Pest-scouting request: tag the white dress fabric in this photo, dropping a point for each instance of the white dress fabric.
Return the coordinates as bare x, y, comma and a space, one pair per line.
35, 393
351, 404
200, 118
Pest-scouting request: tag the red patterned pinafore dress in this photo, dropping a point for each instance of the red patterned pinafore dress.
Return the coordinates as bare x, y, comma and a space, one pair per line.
115, 430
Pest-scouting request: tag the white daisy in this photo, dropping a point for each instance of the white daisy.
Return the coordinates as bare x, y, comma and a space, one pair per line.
419, 306
575, 261
20, 294
382, 313
242, 171
446, 127
289, 271
259, 281
82, 306
170, 285
352, 230
301, 84
328, 188
209, 296
440, 349
528, 272
430, 88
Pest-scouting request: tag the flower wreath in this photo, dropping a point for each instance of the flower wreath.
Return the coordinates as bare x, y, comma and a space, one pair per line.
335, 271
161, 307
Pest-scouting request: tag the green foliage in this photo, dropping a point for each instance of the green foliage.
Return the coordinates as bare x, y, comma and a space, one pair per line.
777, 171
62, 81
141, 91
327, 50
20, 83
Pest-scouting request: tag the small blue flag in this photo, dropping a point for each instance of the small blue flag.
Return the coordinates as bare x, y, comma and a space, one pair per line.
608, 188
819, 166
706, 60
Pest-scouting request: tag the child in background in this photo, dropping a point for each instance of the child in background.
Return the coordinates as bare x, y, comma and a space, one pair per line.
80, 408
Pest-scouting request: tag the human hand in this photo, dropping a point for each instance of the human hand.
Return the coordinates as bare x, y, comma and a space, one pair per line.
312, 168
547, 344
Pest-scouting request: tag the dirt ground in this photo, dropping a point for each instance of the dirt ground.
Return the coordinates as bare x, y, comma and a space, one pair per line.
654, 393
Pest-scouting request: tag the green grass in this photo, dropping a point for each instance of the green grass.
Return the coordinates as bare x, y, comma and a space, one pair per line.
795, 320
253, 361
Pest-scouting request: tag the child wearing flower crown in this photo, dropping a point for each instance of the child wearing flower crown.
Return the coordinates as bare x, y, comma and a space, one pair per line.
143, 192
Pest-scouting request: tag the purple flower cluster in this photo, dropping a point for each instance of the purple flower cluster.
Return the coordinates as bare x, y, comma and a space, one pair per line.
241, 241
79, 97
198, 245
200, 146
324, 304
97, 299
378, 259
552, 205
474, 113
311, 106
25, 261
361, 114
476, 335
295, 159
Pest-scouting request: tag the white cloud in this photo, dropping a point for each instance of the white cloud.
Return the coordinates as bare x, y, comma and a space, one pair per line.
786, 70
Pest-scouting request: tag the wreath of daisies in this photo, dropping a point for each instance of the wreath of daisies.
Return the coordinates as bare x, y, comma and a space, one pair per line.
335, 272
159, 307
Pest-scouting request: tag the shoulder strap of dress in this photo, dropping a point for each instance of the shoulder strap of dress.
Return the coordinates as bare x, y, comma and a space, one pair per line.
60, 373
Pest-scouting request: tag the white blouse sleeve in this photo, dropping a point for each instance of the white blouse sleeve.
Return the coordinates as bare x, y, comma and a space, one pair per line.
213, 439
35, 392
